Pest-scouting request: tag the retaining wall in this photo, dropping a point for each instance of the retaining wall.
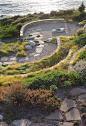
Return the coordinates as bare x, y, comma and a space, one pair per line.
28, 25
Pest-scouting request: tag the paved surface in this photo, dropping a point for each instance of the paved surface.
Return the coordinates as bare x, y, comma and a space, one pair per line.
66, 124
67, 104
73, 115
82, 98
55, 115
46, 29
77, 91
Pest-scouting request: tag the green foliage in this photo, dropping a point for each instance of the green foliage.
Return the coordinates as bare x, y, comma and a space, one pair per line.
82, 7
80, 40
36, 41
21, 54
80, 31
53, 87
83, 115
44, 16
42, 86
67, 84
83, 55
76, 123
83, 22
8, 32
53, 78
10, 48
38, 35
31, 38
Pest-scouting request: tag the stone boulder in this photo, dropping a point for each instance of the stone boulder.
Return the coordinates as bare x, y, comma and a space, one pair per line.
28, 47
22, 122
31, 43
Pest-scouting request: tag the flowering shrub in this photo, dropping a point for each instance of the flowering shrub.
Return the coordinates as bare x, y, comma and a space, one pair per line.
41, 98
14, 94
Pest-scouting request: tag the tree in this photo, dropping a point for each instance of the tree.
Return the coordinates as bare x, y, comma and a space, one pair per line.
82, 7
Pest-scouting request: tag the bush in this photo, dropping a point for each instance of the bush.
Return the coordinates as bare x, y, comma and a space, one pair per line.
53, 78
30, 38
80, 31
44, 16
83, 22
53, 87
83, 115
76, 123
67, 84
21, 54
8, 32
80, 40
42, 99
83, 55
14, 94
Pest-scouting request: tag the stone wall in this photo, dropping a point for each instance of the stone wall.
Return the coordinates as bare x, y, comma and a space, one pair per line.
28, 25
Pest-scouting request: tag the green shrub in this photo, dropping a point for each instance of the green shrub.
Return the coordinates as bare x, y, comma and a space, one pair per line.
53, 87
30, 38
67, 84
30, 35
36, 41
83, 115
83, 22
21, 54
80, 31
38, 35
62, 120
44, 16
53, 78
42, 86
76, 123
83, 55
8, 32
80, 40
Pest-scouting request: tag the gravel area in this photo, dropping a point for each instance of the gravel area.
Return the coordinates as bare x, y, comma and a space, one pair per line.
48, 49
